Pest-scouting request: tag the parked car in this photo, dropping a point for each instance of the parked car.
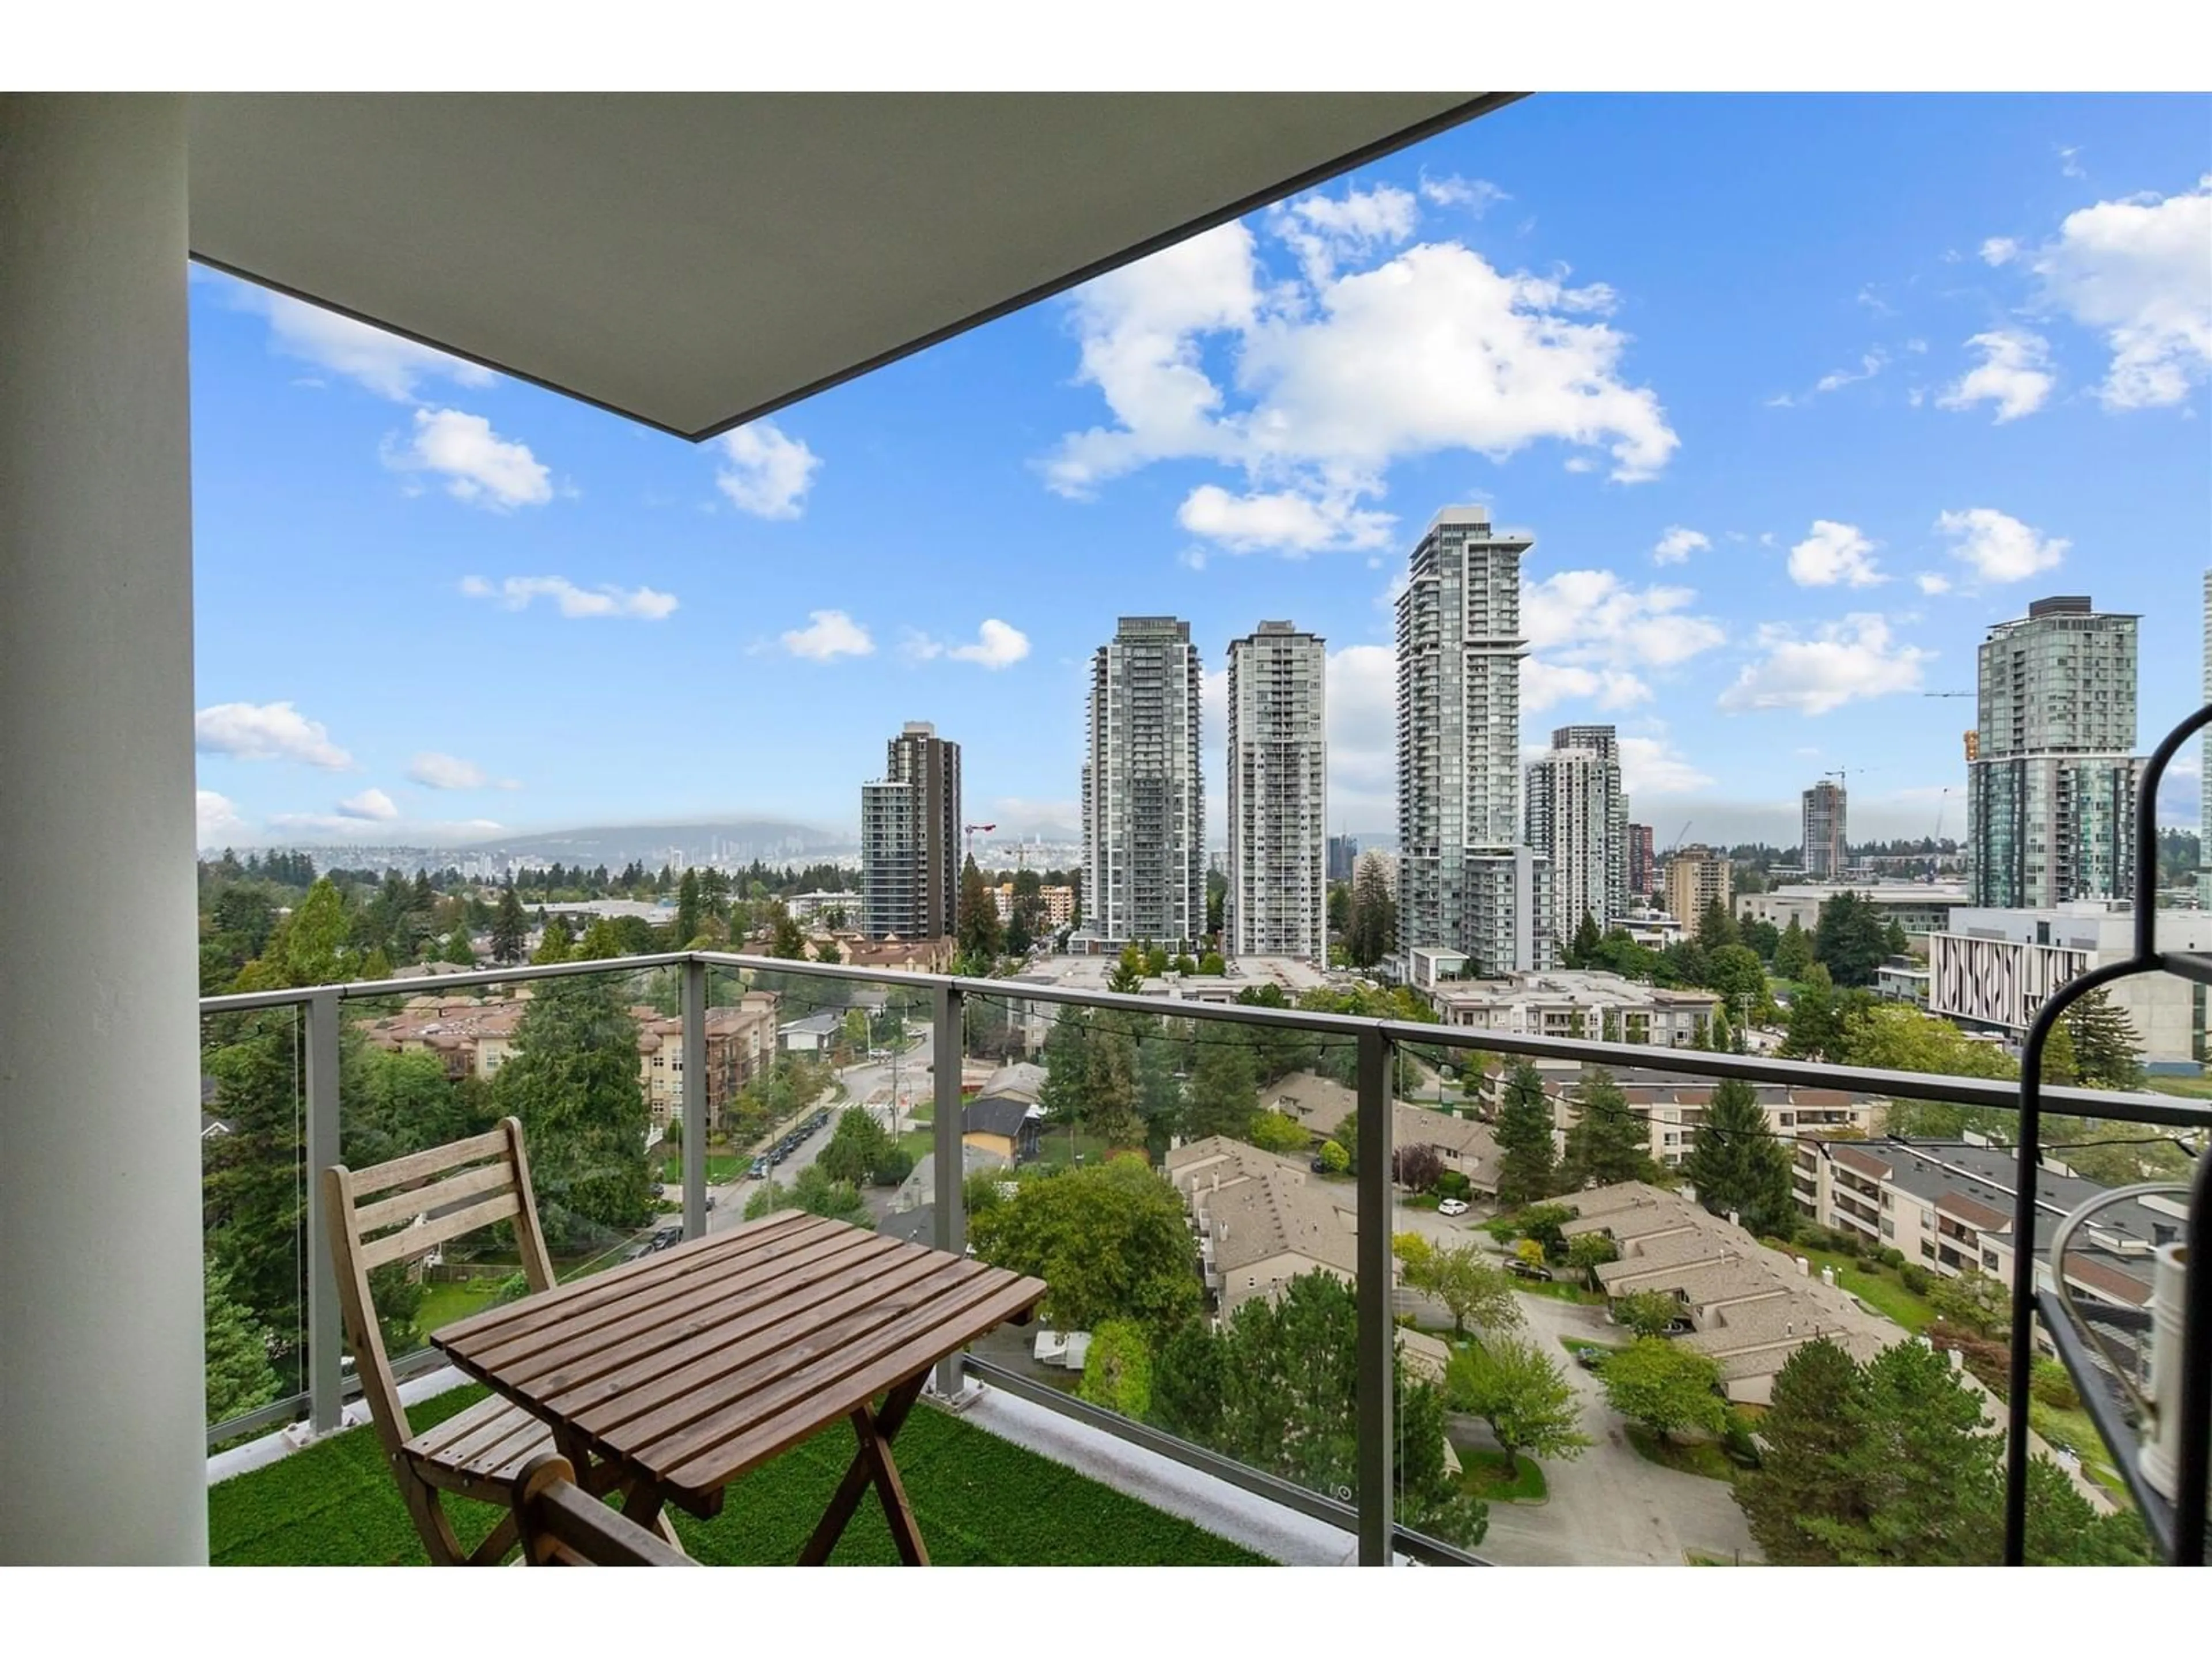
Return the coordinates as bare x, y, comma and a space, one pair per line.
1521, 1269
1676, 1327
760, 1168
1452, 1207
637, 1250
1319, 1166
664, 1237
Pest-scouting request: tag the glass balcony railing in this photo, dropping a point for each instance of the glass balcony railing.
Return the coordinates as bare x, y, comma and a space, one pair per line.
1317, 1260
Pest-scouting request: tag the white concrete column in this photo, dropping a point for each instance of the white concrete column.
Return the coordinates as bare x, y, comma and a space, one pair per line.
102, 1447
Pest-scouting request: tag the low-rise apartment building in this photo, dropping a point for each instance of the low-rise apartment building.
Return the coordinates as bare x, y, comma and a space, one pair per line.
474, 1037
1675, 1107
1948, 1205
1262, 1220
1749, 1308
1575, 1002
1917, 906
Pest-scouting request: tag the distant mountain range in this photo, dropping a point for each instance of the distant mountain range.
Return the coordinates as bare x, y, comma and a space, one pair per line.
738, 841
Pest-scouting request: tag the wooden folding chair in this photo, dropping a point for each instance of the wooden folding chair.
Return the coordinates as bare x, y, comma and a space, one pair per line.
435, 1196
562, 1525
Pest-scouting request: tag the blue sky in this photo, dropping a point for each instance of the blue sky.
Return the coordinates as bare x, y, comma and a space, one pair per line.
1796, 394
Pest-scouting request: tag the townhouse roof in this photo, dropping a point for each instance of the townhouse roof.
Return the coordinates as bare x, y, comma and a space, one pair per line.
997, 1115
1021, 1080
1254, 1204
821, 1024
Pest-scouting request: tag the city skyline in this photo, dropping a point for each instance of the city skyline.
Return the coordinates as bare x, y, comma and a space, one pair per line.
1788, 455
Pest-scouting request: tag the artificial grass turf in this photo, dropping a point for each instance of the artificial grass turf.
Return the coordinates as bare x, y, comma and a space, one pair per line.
980, 1502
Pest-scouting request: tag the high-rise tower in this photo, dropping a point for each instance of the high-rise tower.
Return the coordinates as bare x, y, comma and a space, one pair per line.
1466, 882
1144, 802
910, 838
2051, 790
1824, 831
1278, 900
1577, 818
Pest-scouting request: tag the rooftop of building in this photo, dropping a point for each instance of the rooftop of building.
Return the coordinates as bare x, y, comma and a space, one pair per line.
1591, 986
1259, 1205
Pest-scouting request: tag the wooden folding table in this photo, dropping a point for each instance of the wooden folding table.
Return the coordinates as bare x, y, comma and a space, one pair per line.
689, 1367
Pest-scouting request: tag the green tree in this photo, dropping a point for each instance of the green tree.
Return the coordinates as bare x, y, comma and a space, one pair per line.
1527, 1164
239, 1377
1737, 1163
510, 927
1373, 933
1275, 1132
1159, 1091
1225, 1088
1515, 1388
815, 1194
1333, 1158
856, 1146
1587, 1252
1110, 1104
458, 948
1816, 1028
1801, 1488
1067, 1069
1213, 964
1648, 1313
1117, 1370
1972, 1300
1923, 1471
1110, 1239
1583, 950
1849, 940
785, 939
1545, 1223
2107, 1053
690, 916
1893, 939
1715, 927
1664, 1387
1607, 1142
1474, 1290
554, 944
1126, 976
1736, 973
573, 1081
976, 922
1187, 1384
309, 947
1793, 952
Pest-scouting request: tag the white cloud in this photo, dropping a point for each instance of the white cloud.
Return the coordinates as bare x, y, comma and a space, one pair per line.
1870, 365
1326, 379
1834, 553
1477, 196
384, 363
480, 467
346, 826
1676, 545
219, 823
436, 771
1363, 726
831, 634
1591, 618
998, 645
1933, 581
2068, 166
1998, 547
267, 731
2014, 374
516, 593
370, 804
1018, 815
768, 473
1543, 684
1653, 766
2000, 250
1283, 520
2137, 270
1842, 662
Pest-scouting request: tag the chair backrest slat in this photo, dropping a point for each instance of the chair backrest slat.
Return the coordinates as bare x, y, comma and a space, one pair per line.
461, 1203
409, 1242
382, 1177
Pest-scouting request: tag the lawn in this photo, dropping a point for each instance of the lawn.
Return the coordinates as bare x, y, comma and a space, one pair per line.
444, 1303
2188, 1088
1559, 1291
1702, 1457
1483, 1475
1578, 1344
980, 1501
721, 1167
2075, 1428
1878, 1287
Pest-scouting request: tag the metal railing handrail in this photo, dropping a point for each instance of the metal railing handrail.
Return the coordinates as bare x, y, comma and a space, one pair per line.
1374, 1039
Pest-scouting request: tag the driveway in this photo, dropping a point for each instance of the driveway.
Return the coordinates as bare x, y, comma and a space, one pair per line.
1608, 1507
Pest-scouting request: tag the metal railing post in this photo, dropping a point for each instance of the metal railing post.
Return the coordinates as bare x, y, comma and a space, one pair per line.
948, 1049
325, 1329
1377, 1336
695, 1098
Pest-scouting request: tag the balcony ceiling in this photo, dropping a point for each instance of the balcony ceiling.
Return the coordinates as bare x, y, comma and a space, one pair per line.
696, 261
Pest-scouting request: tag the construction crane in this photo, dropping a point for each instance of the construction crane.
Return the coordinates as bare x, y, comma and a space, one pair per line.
1947, 694
970, 830
1675, 846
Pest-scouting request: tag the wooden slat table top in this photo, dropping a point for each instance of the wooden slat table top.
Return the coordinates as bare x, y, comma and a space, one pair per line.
698, 1362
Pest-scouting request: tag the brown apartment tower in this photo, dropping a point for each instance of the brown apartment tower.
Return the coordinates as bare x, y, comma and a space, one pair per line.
910, 838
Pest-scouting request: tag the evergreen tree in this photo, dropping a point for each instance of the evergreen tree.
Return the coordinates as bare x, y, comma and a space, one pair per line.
239, 1377
555, 944
1109, 1107
690, 918
573, 1080
1816, 1030
1608, 1142
1068, 1068
1850, 940
978, 934
1527, 1153
2107, 1053
458, 950
1160, 1092
1225, 1088
1894, 940
1587, 945
1737, 1163
1373, 933
1802, 1488
1715, 927
1126, 976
